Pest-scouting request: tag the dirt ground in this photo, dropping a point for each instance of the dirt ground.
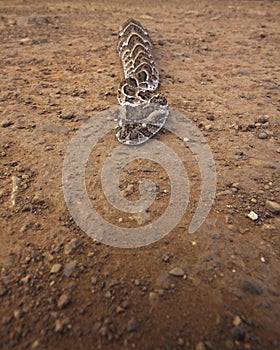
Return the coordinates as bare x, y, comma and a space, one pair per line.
60, 289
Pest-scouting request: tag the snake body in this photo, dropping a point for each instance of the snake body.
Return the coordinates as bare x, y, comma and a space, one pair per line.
143, 111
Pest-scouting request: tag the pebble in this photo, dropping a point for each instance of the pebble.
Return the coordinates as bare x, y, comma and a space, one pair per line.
25, 279
6, 123
35, 345
224, 193
251, 287
58, 326
177, 271
273, 87
244, 71
229, 344
132, 325
236, 321
18, 314
262, 135
200, 346
56, 268
128, 190
211, 117
108, 294
263, 119
71, 246
67, 114
180, 341
238, 333
63, 301
147, 17
253, 216
69, 268
273, 207
153, 298
71, 285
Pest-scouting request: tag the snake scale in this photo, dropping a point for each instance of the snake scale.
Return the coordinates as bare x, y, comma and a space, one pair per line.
143, 111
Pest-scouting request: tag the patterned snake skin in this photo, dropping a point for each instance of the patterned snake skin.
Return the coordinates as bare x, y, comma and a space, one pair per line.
143, 112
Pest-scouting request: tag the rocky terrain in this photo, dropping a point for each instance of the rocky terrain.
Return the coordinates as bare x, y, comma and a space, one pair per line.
215, 289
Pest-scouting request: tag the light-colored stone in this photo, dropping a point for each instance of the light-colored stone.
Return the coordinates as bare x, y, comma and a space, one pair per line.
56, 268
177, 271
273, 207
253, 216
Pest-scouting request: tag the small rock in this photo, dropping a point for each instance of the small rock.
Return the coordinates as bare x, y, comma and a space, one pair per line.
71, 246
18, 314
132, 325
263, 119
273, 87
35, 345
211, 117
200, 346
6, 123
69, 268
153, 298
273, 207
262, 135
128, 190
224, 193
180, 341
108, 294
137, 282
252, 287
26, 279
253, 216
165, 257
238, 333
177, 271
146, 17
244, 71
103, 331
229, 344
67, 114
58, 326
71, 285
236, 321
63, 301
56, 268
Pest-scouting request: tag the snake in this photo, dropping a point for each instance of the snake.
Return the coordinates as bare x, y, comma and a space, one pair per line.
143, 111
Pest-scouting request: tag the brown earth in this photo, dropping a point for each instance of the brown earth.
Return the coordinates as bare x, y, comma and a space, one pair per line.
219, 63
